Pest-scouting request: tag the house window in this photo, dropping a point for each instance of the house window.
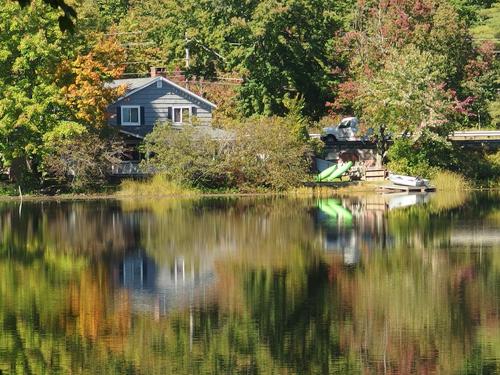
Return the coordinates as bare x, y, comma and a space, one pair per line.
131, 115
159, 84
181, 115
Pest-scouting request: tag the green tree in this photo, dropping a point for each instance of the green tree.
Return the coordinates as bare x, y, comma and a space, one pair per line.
48, 79
278, 48
31, 48
66, 20
406, 97
489, 30
435, 28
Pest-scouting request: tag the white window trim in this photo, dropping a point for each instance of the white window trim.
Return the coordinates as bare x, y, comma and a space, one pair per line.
181, 107
128, 123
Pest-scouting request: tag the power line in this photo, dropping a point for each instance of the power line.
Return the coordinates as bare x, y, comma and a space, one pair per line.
231, 79
190, 82
126, 32
126, 45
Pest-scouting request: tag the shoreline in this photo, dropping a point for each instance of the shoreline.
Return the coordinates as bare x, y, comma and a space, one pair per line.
344, 188
312, 191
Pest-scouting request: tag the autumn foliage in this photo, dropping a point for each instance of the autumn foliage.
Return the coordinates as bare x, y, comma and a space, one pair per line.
87, 95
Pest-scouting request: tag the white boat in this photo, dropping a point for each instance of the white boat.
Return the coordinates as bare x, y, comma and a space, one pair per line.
408, 180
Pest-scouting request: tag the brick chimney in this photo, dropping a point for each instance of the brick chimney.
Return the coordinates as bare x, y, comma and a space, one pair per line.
156, 71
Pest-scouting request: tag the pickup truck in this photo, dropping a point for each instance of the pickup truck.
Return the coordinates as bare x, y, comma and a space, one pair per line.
347, 130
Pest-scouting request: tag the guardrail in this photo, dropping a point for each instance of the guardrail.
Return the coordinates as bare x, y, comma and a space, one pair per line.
466, 135
471, 135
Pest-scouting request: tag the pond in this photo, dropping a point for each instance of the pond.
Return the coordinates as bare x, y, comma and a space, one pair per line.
354, 285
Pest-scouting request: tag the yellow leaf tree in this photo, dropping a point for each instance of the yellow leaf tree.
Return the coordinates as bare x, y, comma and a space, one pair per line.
88, 95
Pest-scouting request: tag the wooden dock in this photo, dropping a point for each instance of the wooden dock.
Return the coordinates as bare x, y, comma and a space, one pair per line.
375, 174
405, 189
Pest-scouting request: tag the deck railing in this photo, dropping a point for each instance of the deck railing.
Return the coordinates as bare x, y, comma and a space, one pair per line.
129, 168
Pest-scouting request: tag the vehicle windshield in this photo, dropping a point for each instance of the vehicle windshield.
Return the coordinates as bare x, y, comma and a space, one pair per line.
344, 124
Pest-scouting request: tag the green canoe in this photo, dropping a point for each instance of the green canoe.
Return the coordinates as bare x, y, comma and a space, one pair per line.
327, 172
338, 172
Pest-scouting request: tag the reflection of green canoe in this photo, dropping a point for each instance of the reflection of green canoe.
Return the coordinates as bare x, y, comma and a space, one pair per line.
344, 214
339, 171
326, 173
334, 209
326, 205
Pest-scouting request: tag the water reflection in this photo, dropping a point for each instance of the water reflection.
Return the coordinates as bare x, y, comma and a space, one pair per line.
269, 285
159, 288
396, 200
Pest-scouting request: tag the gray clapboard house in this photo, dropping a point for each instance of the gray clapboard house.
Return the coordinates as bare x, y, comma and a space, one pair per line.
156, 99
152, 100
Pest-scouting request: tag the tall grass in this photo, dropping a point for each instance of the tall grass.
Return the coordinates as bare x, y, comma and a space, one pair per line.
158, 185
7, 189
450, 181
338, 188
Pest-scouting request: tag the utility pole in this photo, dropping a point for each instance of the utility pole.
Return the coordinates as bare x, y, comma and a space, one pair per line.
186, 40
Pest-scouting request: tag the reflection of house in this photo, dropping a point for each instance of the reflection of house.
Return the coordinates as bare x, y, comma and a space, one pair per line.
160, 288
344, 244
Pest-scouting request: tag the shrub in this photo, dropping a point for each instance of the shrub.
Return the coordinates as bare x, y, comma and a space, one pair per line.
258, 153
438, 159
406, 157
79, 158
189, 156
267, 153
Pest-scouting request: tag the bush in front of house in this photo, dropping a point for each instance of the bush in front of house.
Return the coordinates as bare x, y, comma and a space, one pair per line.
79, 159
257, 154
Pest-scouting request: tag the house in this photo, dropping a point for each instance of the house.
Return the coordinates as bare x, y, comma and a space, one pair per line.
153, 100
156, 99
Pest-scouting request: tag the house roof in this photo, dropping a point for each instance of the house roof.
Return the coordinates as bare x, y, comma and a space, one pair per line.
136, 84
132, 83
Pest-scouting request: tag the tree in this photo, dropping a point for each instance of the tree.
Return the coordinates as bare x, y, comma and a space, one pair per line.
433, 27
100, 15
66, 20
84, 82
487, 33
31, 49
406, 96
48, 78
277, 48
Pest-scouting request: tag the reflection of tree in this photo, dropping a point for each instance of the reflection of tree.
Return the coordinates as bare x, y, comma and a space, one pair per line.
89, 228
431, 224
199, 229
54, 318
411, 310
278, 305
300, 326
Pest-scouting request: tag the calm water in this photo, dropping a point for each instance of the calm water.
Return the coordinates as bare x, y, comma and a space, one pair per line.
253, 286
